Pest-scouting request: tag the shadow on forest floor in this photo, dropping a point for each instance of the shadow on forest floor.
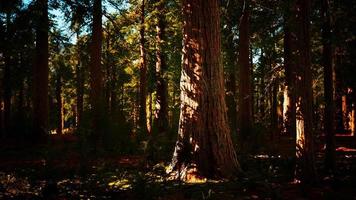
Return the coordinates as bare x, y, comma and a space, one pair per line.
62, 173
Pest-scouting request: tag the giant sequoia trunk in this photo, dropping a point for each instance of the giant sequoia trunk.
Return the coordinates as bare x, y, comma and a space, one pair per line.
161, 105
40, 74
143, 73
204, 142
304, 141
96, 74
245, 92
328, 89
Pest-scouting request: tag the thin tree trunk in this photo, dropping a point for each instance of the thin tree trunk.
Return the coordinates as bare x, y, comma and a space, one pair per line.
59, 104
245, 93
96, 74
40, 75
204, 144
143, 73
80, 86
274, 111
7, 78
161, 105
329, 127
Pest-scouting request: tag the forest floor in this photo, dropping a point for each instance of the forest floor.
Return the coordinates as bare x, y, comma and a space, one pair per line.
58, 171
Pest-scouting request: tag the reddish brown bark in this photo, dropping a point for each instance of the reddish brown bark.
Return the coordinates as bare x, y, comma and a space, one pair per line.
204, 143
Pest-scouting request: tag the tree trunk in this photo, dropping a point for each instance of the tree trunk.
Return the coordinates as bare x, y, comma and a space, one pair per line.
329, 127
274, 110
161, 104
245, 93
204, 144
59, 104
305, 138
40, 75
289, 107
80, 86
96, 74
143, 73
7, 77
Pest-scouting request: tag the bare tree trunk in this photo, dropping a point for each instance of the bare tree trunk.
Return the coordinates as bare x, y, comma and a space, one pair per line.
245, 93
40, 75
204, 144
59, 104
289, 107
143, 73
274, 110
305, 138
161, 105
96, 74
329, 126
79, 86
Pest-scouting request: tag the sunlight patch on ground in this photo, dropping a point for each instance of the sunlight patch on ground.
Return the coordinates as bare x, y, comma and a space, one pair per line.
122, 184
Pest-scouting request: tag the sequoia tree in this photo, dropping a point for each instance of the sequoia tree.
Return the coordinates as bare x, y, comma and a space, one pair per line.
96, 74
143, 72
161, 111
40, 73
204, 146
245, 92
305, 136
328, 88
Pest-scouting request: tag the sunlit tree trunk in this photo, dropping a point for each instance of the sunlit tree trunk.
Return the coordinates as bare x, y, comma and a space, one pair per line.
245, 92
40, 74
161, 104
143, 73
305, 136
96, 74
204, 144
329, 127
289, 103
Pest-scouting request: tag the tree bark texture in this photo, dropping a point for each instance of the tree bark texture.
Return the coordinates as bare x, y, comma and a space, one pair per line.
204, 141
